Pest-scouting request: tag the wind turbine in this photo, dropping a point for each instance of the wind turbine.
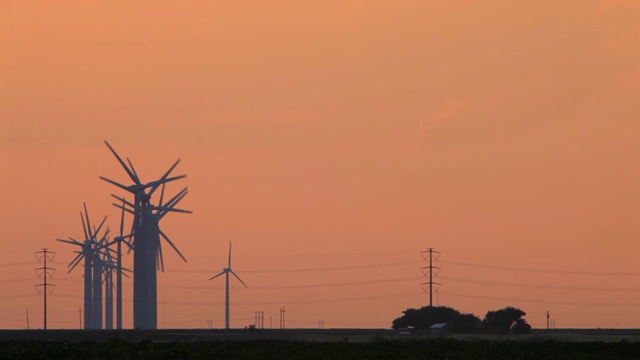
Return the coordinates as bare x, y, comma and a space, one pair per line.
107, 268
88, 252
226, 272
108, 291
118, 240
146, 236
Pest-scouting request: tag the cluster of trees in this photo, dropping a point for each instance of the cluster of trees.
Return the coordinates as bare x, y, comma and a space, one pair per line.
504, 321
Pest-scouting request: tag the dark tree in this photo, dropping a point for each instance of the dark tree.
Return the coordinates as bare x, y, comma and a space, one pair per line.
504, 320
426, 316
466, 324
521, 327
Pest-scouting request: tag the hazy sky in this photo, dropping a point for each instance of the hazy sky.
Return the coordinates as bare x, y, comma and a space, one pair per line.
332, 142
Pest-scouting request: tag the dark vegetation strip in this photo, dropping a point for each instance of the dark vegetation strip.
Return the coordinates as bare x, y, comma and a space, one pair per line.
272, 349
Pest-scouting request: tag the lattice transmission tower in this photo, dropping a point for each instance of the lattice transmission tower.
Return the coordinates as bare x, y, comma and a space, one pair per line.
429, 255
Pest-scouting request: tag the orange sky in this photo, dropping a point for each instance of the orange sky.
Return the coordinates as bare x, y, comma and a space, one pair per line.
333, 136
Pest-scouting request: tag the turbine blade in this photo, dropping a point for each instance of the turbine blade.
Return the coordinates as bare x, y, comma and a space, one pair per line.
238, 277
162, 194
122, 199
76, 259
84, 227
75, 262
116, 184
229, 255
122, 220
166, 210
172, 245
157, 183
131, 175
129, 243
133, 240
164, 177
133, 170
174, 200
161, 211
100, 227
221, 273
160, 259
72, 242
123, 209
86, 214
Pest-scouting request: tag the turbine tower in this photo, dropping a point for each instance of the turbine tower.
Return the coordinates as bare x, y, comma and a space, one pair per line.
226, 272
88, 252
118, 240
108, 291
108, 267
146, 235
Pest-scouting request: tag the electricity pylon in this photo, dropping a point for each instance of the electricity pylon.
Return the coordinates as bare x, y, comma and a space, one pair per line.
429, 255
45, 255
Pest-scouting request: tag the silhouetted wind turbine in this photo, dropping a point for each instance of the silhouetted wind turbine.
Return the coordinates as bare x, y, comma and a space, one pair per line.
118, 240
226, 272
88, 252
108, 266
146, 236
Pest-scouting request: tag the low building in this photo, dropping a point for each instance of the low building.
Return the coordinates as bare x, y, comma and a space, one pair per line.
440, 329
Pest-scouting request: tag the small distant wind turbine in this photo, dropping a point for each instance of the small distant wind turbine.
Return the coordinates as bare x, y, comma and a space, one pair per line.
118, 240
92, 272
226, 272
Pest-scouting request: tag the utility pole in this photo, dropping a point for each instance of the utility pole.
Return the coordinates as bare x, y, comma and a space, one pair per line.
547, 319
45, 255
80, 316
259, 320
429, 255
282, 310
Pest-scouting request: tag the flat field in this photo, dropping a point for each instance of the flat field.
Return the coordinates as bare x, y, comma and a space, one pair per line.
311, 344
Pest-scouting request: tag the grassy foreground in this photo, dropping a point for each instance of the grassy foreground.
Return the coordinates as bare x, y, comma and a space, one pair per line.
276, 349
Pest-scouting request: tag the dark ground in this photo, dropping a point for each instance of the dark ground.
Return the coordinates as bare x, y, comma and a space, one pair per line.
315, 344
311, 335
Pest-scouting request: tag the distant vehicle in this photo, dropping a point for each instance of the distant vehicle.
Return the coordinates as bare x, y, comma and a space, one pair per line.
251, 328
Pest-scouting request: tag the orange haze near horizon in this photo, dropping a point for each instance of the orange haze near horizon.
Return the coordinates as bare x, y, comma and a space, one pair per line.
332, 142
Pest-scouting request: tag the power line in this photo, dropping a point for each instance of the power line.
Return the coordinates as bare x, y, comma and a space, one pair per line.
339, 268
532, 301
527, 255
15, 280
317, 286
336, 300
16, 264
554, 287
544, 271
17, 296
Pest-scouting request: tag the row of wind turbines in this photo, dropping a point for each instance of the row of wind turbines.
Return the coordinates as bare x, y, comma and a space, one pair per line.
144, 240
